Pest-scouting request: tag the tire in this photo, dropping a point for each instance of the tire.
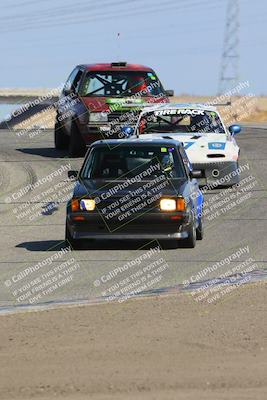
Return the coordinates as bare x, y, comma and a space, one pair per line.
73, 243
76, 144
190, 242
169, 244
60, 138
199, 230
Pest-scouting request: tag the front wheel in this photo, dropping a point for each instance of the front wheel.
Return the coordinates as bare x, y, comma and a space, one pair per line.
60, 138
199, 230
73, 243
76, 144
190, 241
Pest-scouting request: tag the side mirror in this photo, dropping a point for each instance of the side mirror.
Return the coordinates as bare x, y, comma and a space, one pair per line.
68, 91
169, 93
127, 130
234, 129
72, 174
197, 174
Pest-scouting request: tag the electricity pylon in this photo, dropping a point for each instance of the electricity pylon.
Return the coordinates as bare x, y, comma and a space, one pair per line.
229, 75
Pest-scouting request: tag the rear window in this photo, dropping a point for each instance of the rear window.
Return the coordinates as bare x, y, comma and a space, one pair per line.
126, 162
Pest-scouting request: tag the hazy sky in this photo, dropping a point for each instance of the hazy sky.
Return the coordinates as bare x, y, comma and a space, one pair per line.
42, 40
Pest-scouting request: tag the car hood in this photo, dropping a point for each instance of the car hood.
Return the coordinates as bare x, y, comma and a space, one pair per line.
107, 104
199, 146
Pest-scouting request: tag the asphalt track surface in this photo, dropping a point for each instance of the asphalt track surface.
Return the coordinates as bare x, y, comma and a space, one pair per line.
32, 226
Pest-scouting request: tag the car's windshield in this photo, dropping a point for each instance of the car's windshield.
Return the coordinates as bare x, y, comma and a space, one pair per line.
120, 83
181, 120
126, 162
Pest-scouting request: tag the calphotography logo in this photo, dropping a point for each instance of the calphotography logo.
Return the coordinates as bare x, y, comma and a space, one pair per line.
37, 282
135, 277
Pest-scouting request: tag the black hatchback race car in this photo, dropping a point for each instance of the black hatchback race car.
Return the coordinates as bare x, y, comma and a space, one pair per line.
135, 189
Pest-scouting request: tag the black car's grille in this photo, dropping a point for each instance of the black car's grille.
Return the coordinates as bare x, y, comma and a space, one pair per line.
115, 214
134, 204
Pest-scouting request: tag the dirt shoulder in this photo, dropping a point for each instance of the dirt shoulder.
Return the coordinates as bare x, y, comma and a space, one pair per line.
153, 348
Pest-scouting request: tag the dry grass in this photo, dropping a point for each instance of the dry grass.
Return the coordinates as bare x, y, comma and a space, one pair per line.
243, 109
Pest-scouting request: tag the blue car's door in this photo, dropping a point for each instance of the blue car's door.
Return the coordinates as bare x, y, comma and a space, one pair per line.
194, 194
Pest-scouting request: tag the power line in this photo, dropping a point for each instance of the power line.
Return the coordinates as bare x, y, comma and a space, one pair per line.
66, 10
100, 16
23, 4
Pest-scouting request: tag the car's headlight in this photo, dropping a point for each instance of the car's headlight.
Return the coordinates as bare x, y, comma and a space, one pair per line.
168, 205
98, 117
87, 204
173, 204
84, 205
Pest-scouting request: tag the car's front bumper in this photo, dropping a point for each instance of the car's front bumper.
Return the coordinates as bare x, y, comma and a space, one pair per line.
157, 226
102, 131
220, 173
130, 236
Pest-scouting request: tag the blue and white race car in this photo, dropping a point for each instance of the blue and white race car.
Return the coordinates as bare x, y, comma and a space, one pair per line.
210, 146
